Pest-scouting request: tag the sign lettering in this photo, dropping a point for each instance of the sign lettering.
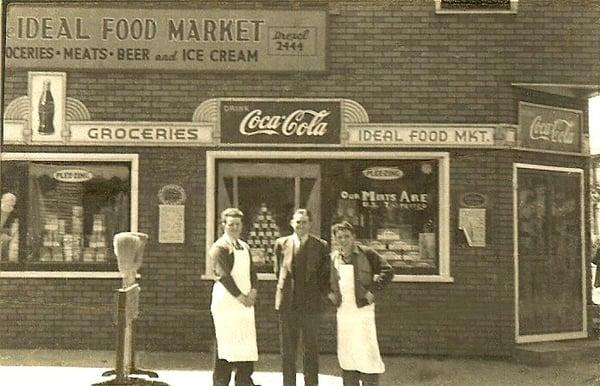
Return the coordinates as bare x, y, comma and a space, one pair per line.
372, 134
280, 121
550, 128
72, 175
174, 39
559, 131
299, 122
139, 134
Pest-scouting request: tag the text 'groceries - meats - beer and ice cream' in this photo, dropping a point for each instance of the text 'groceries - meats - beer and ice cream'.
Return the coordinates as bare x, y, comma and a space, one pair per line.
58, 37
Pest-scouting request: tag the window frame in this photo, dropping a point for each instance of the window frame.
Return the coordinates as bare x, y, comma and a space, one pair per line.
133, 159
443, 158
514, 7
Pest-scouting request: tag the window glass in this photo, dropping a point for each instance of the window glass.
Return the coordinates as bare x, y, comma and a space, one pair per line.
393, 206
393, 203
69, 212
476, 4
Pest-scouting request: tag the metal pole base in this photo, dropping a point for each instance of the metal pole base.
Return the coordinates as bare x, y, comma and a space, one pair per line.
130, 382
134, 371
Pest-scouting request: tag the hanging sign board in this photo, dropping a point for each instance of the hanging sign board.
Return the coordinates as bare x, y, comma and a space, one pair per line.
56, 36
550, 128
171, 214
171, 224
472, 222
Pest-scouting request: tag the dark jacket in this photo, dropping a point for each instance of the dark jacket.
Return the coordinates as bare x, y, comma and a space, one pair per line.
371, 273
312, 262
221, 253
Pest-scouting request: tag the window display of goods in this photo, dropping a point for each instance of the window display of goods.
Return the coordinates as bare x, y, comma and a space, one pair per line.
262, 236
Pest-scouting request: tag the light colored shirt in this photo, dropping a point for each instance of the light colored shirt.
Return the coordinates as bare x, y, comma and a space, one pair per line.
298, 241
235, 243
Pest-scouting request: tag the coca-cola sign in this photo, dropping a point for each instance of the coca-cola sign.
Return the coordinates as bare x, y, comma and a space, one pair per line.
551, 128
280, 121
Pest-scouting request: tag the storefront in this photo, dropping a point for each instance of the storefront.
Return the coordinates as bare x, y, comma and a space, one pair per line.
484, 223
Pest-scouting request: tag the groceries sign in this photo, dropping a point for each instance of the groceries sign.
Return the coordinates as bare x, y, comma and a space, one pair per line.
280, 121
550, 128
59, 37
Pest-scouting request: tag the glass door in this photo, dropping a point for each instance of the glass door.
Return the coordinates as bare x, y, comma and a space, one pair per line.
549, 255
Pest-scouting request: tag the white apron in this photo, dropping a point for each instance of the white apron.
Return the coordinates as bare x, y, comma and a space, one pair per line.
234, 323
357, 345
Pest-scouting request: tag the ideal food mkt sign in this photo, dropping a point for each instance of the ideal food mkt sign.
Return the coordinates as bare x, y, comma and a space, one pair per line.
58, 37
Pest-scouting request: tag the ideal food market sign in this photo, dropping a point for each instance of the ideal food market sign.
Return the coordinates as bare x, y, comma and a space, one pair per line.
57, 37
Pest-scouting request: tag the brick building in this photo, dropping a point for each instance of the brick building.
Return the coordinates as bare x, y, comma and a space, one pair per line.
455, 138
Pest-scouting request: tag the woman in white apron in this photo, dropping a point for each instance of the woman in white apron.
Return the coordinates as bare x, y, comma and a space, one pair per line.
232, 305
357, 272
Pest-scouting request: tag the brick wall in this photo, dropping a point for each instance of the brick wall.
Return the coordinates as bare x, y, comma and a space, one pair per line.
399, 59
404, 64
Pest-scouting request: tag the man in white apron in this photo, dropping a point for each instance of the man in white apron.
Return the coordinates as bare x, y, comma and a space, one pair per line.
232, 305
357, 272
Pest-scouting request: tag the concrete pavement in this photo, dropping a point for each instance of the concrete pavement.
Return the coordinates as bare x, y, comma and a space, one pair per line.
81, 368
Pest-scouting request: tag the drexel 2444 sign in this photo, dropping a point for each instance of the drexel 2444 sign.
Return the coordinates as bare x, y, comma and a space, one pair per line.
280, 121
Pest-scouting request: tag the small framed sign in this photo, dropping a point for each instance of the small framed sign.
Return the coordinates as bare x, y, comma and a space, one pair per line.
171, 224
171, 214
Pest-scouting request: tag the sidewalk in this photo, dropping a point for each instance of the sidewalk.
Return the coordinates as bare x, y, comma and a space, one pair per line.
81, 368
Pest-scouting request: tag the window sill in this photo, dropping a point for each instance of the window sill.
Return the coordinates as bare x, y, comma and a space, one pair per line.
475, 11
423, 279
60, 275
397, 278
261, 276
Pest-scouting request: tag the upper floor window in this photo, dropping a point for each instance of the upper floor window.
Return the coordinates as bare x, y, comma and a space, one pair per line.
476, 6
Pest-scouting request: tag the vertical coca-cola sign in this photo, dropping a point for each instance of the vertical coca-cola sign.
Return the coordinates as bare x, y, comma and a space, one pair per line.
47, 106
280, 121
550, 128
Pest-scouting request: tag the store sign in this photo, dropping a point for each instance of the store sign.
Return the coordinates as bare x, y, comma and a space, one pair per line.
72, 175
58, 37
549, 128
140, 133
384, 134
383, 173
473, 200
280, 121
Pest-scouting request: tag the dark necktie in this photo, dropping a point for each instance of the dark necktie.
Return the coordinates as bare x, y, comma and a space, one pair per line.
299, 275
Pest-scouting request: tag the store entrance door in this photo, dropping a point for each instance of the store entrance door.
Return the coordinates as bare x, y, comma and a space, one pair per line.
550, 293
268, 193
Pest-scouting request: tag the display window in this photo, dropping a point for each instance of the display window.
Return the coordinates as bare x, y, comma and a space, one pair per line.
397, 203
393, 206
60, 212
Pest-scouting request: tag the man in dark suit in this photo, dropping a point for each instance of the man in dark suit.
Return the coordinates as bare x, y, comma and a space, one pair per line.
302, 269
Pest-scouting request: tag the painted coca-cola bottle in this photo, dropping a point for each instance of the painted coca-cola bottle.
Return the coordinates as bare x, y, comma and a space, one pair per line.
46, 110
